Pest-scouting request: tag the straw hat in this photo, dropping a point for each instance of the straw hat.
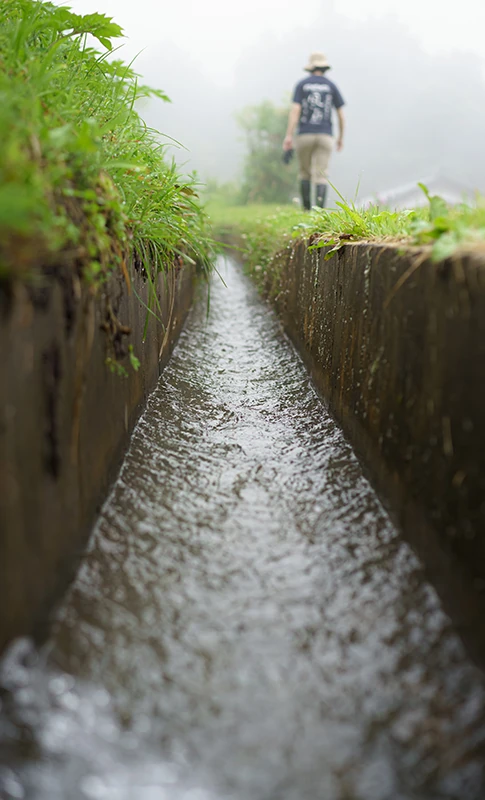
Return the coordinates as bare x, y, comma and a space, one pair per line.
317, 61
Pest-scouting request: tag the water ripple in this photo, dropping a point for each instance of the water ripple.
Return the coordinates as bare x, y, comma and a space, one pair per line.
246, 614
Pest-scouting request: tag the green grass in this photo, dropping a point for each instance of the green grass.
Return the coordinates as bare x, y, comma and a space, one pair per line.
226, 217
258, 230
265, 230
83, 181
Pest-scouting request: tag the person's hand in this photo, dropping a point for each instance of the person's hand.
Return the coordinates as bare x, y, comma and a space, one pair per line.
288, 143
340, 145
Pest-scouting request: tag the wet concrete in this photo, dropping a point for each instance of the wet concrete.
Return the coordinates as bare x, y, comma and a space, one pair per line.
66, 419
247, 622
395, 343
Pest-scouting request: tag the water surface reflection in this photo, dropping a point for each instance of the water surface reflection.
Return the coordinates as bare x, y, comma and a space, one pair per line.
247, 623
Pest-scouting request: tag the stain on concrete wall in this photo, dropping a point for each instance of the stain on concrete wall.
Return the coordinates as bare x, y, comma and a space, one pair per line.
396, 346
65, 420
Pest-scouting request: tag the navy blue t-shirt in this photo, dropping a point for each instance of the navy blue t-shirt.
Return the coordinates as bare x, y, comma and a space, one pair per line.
317, 97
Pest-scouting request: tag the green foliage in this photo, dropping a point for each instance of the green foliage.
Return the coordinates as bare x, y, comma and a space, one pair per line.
263, 231
335, 227
265, 178
221, 194
260, 231
116, 368
134, 361
83, 180
445, 228
449, 228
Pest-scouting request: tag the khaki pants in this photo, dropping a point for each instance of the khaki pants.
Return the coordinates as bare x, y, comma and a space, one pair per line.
314, 151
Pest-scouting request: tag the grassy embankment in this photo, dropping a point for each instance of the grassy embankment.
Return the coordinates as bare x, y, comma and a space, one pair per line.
83, 181
262, 231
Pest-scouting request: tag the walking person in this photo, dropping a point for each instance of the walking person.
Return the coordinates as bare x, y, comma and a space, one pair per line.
314, 99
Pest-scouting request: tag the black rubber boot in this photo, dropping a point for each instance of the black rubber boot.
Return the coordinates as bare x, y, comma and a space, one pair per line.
321, 194
305, 194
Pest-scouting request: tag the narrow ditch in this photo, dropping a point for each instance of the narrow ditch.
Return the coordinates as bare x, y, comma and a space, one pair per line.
247, 622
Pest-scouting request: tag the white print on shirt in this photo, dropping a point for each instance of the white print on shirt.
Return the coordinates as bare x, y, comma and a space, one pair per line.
316, 87
314, 108
316, 117
315, 100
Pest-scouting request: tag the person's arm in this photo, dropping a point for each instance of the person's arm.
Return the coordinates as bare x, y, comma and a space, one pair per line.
293, 119
341, 128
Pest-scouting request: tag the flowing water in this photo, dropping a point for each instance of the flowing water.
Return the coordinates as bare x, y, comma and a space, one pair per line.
247, 623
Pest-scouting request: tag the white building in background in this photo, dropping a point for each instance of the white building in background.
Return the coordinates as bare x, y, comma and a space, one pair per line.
409, 195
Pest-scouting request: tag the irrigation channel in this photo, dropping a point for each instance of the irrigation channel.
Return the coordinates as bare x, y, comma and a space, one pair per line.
247, 623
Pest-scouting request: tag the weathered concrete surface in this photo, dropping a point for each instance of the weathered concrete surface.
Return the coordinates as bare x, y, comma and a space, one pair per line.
396, 345
65, 420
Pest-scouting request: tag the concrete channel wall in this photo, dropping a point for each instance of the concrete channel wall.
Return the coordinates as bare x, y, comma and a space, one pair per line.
65, 420
396, 346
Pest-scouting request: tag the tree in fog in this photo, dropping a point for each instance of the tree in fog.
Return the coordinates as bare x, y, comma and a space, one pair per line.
265, 179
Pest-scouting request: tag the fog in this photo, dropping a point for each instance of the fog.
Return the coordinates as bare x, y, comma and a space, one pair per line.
412, 78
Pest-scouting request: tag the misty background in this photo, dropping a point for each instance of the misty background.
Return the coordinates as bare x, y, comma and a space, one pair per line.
413, 79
